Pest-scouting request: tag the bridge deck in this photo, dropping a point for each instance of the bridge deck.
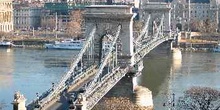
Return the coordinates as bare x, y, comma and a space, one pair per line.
61, 102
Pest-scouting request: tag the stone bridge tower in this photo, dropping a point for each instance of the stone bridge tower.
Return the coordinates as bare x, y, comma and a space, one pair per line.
156, 9
107, 18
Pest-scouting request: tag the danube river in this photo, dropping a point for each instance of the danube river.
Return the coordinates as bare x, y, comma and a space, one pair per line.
32, 71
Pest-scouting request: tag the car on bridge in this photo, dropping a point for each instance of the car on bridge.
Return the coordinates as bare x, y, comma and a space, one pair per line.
73, 98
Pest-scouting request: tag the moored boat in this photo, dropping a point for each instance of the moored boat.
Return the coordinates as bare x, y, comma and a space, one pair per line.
6, 44
217, 48
68, 44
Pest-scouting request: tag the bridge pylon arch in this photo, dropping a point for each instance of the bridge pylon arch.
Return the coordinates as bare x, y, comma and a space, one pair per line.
156, 10
107, 18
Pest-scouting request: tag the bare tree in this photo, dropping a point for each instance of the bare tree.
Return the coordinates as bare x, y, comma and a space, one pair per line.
2, 33
119, 103
138, 25
48, 23
194, 25
207, 26
199, 98
201, 26
74, 28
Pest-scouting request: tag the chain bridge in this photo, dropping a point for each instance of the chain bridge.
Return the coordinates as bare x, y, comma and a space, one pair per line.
111, 51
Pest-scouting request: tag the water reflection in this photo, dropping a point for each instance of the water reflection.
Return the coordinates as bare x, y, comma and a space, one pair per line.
158, 75
154, 77
210, 65
6, 65
56, 62
164, 76
30, 71
176, 65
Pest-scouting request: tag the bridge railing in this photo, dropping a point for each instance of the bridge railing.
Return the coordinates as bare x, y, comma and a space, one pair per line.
144, 31
92, 84
105, 85
60, 87
99, 87
49, 95
150, 43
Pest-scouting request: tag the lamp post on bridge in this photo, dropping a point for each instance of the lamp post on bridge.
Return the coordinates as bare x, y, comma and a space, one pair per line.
52, 86
170, 103
37, 105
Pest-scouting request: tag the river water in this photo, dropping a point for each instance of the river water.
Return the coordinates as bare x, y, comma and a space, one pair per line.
164, 75
32, 71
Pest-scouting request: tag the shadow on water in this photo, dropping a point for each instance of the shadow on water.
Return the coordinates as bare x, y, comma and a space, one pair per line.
157, 68
6, 67
156, 71
56, 62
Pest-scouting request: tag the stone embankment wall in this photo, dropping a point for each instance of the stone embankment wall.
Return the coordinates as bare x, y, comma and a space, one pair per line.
30, 43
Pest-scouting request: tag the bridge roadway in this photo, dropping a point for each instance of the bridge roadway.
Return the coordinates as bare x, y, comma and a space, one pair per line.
61, 102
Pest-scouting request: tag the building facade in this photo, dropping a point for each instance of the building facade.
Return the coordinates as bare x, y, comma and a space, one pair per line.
26, 17
55, 16
185, 13
6, 15
188, 12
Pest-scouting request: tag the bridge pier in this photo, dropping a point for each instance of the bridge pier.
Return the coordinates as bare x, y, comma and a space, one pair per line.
176, 53
142, 95
124, 88
164, 48
128, 87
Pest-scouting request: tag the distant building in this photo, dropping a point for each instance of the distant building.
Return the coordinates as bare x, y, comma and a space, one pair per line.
6, 15
55, 16
26, 17
185, 13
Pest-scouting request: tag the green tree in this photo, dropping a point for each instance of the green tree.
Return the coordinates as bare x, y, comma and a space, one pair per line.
199, 98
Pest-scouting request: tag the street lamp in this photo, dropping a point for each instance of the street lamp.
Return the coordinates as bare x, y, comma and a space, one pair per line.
52, 86
37, 102
170, 103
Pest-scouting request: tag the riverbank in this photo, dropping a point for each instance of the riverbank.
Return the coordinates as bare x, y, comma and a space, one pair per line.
118, 103
198, 42
204, 46
31, 42
197, 45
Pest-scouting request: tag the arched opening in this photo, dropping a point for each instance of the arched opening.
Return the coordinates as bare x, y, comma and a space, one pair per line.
104, 44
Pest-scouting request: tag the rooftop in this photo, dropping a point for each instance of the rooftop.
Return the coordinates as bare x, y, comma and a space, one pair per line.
198, 1
191, 1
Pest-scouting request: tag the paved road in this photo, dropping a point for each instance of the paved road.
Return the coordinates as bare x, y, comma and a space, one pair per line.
61, 103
